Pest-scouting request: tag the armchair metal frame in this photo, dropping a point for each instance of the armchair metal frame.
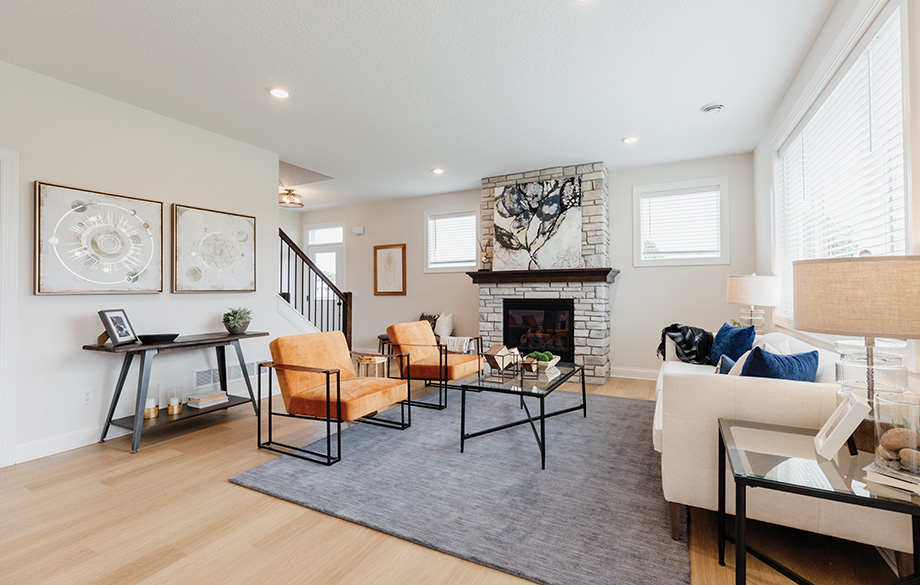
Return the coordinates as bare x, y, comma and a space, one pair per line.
442, 382
329, 457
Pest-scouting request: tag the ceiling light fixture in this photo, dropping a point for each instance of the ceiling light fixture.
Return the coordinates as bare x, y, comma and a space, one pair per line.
713, 108
438, 171
290, 199
278, 92
630, 139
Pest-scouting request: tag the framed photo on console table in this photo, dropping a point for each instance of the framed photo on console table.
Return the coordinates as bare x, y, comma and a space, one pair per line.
117, 326
90, 242
390, 269
213, 251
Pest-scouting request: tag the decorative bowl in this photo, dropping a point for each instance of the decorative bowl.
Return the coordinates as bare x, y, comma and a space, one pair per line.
157, 337
551, 363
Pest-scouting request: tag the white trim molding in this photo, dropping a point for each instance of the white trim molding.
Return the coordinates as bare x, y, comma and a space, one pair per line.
9, 267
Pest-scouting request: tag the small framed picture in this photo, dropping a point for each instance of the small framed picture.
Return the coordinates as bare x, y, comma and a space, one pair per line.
117, 326
840, 426
390, 269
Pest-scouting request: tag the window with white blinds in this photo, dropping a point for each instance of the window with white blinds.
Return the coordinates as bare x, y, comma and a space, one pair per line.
681, 223
840, 177
451, 240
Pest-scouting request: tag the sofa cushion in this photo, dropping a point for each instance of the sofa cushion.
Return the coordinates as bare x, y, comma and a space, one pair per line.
781, 348
731, 341
802, 367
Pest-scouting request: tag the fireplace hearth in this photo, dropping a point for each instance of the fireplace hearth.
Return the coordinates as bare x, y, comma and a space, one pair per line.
540, 325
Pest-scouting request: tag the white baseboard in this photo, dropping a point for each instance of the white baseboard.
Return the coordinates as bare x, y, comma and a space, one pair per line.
634, 373
61, 443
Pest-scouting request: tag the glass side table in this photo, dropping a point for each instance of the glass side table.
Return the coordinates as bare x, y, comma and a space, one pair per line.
783, 458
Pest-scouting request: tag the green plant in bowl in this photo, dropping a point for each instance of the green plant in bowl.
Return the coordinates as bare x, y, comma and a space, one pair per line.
237, 320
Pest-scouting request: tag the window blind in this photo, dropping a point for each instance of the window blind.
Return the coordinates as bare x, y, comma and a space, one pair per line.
452, 240
680, 225
840, 179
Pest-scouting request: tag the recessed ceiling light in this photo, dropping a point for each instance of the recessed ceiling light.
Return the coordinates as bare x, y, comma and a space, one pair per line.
438, 171
630, 139
713, 108
278, 92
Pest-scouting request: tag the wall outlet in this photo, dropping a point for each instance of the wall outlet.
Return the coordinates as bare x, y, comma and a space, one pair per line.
87, 397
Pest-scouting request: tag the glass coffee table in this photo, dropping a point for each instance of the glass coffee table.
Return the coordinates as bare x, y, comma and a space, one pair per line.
517, 382
783, 458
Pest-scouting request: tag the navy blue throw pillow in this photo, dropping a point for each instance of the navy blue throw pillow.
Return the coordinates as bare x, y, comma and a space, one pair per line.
725, 364
802, 367
731, 341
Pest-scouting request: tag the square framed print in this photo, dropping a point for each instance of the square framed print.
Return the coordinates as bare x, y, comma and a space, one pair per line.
390, 269
840, 426
90, 242
117, 326
213, 251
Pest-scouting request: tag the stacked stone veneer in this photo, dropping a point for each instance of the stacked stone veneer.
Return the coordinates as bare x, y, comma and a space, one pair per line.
591, 299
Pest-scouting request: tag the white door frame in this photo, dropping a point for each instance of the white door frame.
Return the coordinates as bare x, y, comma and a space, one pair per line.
9, 268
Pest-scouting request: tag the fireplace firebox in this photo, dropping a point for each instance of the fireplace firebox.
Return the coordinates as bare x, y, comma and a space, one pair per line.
540, 325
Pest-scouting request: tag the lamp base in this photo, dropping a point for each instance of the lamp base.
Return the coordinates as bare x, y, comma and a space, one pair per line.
752, 317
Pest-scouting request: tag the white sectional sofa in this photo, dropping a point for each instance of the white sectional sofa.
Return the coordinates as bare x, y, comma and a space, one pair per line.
691, 399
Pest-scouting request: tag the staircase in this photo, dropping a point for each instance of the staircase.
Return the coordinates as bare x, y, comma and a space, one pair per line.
310, 292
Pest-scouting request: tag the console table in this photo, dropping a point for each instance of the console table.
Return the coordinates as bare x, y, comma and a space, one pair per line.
146, 352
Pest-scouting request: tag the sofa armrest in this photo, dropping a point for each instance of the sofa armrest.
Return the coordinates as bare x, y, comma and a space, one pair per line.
692, 403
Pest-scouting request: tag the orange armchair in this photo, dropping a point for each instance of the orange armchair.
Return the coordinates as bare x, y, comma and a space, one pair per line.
430, 360
318, 382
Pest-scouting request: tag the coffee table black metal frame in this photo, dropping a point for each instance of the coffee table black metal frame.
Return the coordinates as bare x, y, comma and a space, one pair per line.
744, 481
517, 383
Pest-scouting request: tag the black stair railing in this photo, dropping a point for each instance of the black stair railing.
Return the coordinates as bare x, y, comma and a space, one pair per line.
310, 292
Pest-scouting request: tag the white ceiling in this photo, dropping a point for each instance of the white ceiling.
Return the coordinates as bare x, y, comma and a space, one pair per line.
384, 91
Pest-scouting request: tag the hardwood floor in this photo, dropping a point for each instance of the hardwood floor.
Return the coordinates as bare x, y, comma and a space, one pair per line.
168, 515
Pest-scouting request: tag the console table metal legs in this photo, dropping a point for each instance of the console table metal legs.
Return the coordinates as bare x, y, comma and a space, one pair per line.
143, 382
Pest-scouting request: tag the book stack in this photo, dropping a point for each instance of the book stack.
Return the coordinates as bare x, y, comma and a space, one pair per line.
878, 474
206, 400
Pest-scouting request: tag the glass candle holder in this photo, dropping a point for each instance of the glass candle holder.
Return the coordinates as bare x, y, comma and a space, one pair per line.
151, 410
174, 405
897, 430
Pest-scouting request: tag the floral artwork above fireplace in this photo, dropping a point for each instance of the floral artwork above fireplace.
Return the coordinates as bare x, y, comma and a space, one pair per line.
538, 225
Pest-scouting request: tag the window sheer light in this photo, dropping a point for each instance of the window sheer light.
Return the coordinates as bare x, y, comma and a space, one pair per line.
840, 178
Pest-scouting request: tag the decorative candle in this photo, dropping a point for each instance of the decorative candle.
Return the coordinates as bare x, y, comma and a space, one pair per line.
151, 403
173, 401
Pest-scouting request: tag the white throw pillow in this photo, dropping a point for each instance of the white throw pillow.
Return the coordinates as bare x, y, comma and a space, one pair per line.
445, 325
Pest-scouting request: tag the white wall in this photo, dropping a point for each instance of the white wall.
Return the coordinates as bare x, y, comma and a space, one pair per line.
70, 136
647, 299
291, 221
401, 221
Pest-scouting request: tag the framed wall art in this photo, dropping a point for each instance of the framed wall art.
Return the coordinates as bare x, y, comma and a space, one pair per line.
90, 242
390, 269
538, 225
213, 251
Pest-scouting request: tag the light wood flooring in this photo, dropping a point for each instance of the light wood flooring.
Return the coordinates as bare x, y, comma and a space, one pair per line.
99, 515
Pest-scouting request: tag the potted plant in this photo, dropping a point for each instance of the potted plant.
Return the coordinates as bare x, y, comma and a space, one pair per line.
237, 320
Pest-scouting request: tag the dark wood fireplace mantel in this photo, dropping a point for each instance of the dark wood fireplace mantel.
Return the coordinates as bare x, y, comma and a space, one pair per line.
554, 275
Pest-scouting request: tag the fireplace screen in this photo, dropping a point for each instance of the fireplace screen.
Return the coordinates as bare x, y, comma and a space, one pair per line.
540, 325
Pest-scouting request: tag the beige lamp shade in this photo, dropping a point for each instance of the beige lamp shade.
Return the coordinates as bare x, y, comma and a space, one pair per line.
753, 290
873, 296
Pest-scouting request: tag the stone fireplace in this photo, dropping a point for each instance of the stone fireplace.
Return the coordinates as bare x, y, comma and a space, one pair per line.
587, 289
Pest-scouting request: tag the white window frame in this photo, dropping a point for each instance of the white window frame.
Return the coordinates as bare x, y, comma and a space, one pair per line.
448, 212
640, 192
818, 92
339, 248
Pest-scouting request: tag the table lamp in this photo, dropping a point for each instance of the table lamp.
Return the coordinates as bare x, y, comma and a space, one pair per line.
753, 290
869, 297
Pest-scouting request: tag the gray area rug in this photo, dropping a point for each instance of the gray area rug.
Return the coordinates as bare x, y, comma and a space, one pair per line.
596, 515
